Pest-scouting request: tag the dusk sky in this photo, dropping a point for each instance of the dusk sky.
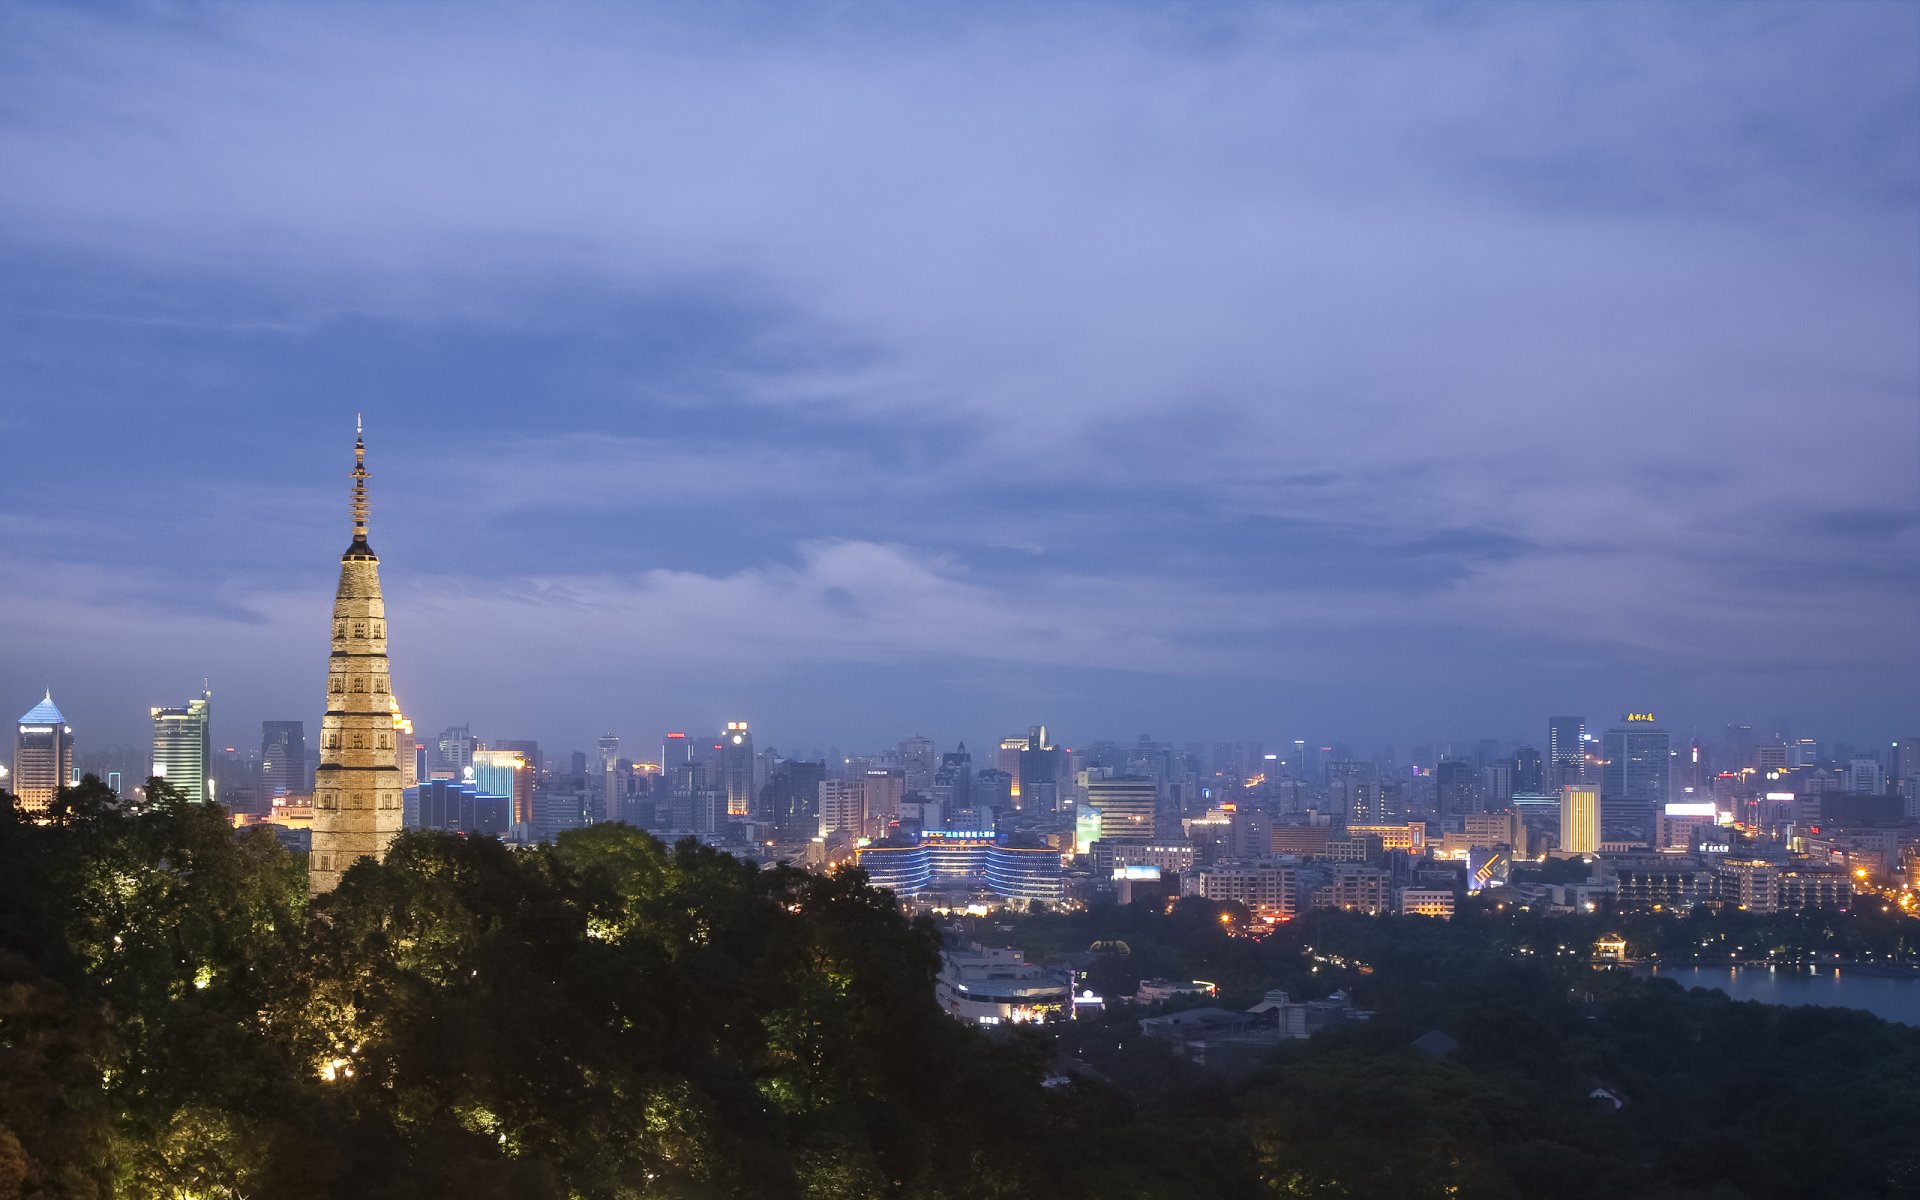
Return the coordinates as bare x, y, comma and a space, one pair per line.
1332, 371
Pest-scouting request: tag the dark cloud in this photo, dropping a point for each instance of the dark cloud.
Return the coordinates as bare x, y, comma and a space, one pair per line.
1246, 369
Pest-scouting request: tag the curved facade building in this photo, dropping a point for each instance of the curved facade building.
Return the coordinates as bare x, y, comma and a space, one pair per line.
959, 861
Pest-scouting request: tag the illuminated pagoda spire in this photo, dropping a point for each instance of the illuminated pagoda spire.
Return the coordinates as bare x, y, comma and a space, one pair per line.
356, 791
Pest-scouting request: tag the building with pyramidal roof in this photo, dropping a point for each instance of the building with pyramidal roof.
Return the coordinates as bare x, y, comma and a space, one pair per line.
42, 756
357, 790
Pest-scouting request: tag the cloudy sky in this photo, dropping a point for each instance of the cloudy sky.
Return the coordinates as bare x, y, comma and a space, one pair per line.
1387, 374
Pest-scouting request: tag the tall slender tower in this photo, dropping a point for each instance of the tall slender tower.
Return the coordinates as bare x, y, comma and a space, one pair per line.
356, 791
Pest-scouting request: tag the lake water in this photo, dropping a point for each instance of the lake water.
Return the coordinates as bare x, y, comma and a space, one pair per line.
1891, 999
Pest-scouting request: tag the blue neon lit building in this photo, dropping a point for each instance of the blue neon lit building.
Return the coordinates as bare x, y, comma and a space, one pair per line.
961, 860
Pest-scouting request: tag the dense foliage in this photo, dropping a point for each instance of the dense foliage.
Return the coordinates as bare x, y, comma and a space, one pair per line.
610, 1017
605, 1017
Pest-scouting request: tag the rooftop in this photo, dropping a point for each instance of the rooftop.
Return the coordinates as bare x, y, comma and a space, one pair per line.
43, 713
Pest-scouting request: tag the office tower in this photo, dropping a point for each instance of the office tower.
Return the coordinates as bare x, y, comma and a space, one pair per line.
1040, 765
356, 791
882, 791
842, 808
1566, 751
1770, 756
506, 773
529, 751
791, 799
180, 751
1455, 788
1865, 775
236, 781
1739, 747
991, 789
953, 782
1634, 779
1496, 785
1008, 760
917, 760
735, 781
1353, 791
406, 749
1127, 805
453, 751
283, 758
1579, 820
609, 745
42, 756
1529, 774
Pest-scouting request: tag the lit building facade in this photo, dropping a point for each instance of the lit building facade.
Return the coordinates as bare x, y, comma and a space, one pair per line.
735, 777
950, 861
995, 986
42, 756
357, 797
1566, 751
506, 773
1269, 887
1579, 820
1127, 805
1636, 777
181, 754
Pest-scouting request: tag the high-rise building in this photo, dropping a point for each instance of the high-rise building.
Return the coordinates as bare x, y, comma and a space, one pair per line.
406, 750
1865, 775
1635, 780
842, 808
1456, 788
1529, 774
1579, 820
1566, 750
453, 751
953, 782
1008, 760
1040, 767
180, 747
42, 756
1353, 790
357, 796
883, 790
507, 773
283, 758
791, 799
1127, 806
736, 768
609, 745
917, 760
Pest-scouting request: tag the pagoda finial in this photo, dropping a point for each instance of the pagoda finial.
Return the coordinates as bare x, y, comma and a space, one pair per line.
359, 506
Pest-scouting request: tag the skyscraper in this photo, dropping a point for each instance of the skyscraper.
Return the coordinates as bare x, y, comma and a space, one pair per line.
609, 745
1579, 820
736, 768
1456, 788
1039, 777
356, 791
1127, 806
1566, 750
506, 773
180, 747
1635, 780
283, 758
42, 756
917, 760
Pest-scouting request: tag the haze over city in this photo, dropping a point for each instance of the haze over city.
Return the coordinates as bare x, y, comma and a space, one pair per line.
1394, 375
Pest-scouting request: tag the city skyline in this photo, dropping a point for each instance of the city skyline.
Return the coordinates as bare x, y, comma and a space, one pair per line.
1257, 401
